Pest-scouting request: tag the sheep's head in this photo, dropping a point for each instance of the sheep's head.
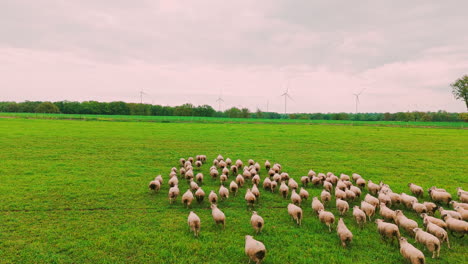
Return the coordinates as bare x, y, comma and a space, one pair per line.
403, 239
378, 221
415, 230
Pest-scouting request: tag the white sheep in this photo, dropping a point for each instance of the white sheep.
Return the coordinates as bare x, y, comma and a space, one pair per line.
455, 225
344, 177
273, 186
395, 197
350, 195
463, 212
387, 230
368, 208
439, 222
198, 164
431, 207
361, 183
222, 164
311, 173
214, 173
440, 196
233, 187
356, 176
223, 192
407, 199
254, 249
438, 232
316, 180
256, 179
293, 184
295, 212
213, 197
431, 242
372, 187
187, 198
325, 196
234, 169
250, 198
267, 165
416, 190
225, 171
452, 213
228, 162
276, 177
317, 205
223, 178
173, 193
284, 176
384, 198
341, 185
419, 208
218, 215
239, 163
342, 206
240, 180
404, 222
386, 213
356, 190
173, 181
267, 184
194, 223
372, 200
409, 252
305, 180
251, 162
304, 194
182, 162
193, 186
295, 198
327, 186
246, 174
155, 185
343, 233
462, 205
257, 167
199, 178
327, 218
159, 178
200, 195
257, 222
219, 158
339, 194
255, 191
284, 190
359, 216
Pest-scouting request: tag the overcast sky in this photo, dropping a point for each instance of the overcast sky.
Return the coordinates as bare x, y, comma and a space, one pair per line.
404, 54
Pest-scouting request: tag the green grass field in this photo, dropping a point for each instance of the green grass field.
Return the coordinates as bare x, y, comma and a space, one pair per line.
77, 192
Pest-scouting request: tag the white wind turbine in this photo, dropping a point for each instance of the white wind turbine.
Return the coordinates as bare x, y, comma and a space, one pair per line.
286, 96
141, 95
357, 98
219, 100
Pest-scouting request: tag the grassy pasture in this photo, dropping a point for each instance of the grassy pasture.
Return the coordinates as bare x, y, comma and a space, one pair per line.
76, 192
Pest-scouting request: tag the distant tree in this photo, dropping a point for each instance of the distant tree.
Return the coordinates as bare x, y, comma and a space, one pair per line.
233, 112
118, 108
183, 110
245, 113
259, 113
460, 89
47, 107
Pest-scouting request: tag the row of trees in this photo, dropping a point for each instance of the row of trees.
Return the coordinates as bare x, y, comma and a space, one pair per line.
122, 108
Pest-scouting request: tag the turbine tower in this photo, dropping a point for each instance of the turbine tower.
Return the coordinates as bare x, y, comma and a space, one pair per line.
286, 96
357, 99
141, 95
219, 100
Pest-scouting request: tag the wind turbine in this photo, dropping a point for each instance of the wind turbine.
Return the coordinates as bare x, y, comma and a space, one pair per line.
357, 98
286, 96
141, 95
219, 100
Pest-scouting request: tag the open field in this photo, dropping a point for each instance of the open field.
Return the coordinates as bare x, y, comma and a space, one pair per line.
217, 120
77, 192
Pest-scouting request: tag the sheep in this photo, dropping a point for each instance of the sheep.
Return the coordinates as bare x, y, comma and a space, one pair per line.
213, 197
333, 179
386, 213
198, 164
159, 178
223, 192
223, 178
295, 198
343, 233
276, 177
440, 197
431, 207
416, 190
239, 163
327, 186
325, 196
409, 252
215, 163
233, 187
194, 223
387, 230
193, 186
455, 225
304, 180
356, 176
463, 212
267, 165
372, 200
356, 190
452, 213
368, 208
155, 185
219, 158
257, 222
251, 162
295, 212
404, 222
359, 216
436, 221
257, 167
284, 190
431, 242
228, 162
199, 178
254, 249
222, 164
327, 218
438, 232
225, 171
218, 215
317, 180
463, 196
317, 205
250, 198
256, 191
173, 181
273, 186
173, 193
256, 179
407, 199
350, 195
462, 205
234, 169
276, 168
267, 184
383, 198
419, 208
361, 183
187, 198
172, 174
191, 159
311, 173
339, 194
341, 185
285, 177
271, 173
214, 174
344, 177
187, 164
182, 162
240, 180
372, 187
434, 188
200, 195
394, 197
304, 194
246, 174
342, 206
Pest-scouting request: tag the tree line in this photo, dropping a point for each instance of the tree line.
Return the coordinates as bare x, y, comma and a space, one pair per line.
123, 108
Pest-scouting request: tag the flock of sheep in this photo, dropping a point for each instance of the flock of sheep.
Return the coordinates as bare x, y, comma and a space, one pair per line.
380, 196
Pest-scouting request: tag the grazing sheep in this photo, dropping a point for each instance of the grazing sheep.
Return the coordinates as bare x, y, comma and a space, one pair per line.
193, 186
407, 199
234, 169
356, 176
284, 190
350, 195
368, 208
453, 214
333, 179
361, 183
189, 175
327, 186
257, 167
182, 162
267, 165
372, 187
251, 162
271, 173
198, 164
436, 221
438, 232
419, 208
219, 158
285, 177
213, 197
199, 178
276, 177
187, 164
240, 180
190, 159
247, 174
344, 177
383, 198
295, 198
222, 164
311, 174
215, 163
233, 187
342, 206
239, 164
228, 162
386, 213
155, 185
387, 230
223, 178
463, 196
267, 184
343, 233
172, 174
223, 192
295, 212
431, 242
256, 191
318, 180
200, 195
462, 205
327, 218
440, 197
359, 216
225, 171
304, 180
431, 207
317, 205
394, 197
355, 190
416, 190
159, 179
218, 215
214, 174
276, 168
273, 186
182, 171
304, 194
250, 198
194, 223
254, 249
256, 179
462, 212
341, 185
325, 196
187, 198
372, 200
455, 225
404, 222
409, 252
173, 193
257, 222
339, 194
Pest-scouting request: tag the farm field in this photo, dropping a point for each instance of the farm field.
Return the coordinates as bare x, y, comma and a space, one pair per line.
77, 192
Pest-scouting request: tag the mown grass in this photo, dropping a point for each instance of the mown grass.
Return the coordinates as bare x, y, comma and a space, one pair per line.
217, 120
76, 192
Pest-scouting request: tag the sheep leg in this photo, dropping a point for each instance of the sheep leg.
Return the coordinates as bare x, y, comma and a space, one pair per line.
448, 243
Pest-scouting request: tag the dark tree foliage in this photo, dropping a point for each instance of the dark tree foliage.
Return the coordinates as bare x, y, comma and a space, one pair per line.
460, 89
47, 107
